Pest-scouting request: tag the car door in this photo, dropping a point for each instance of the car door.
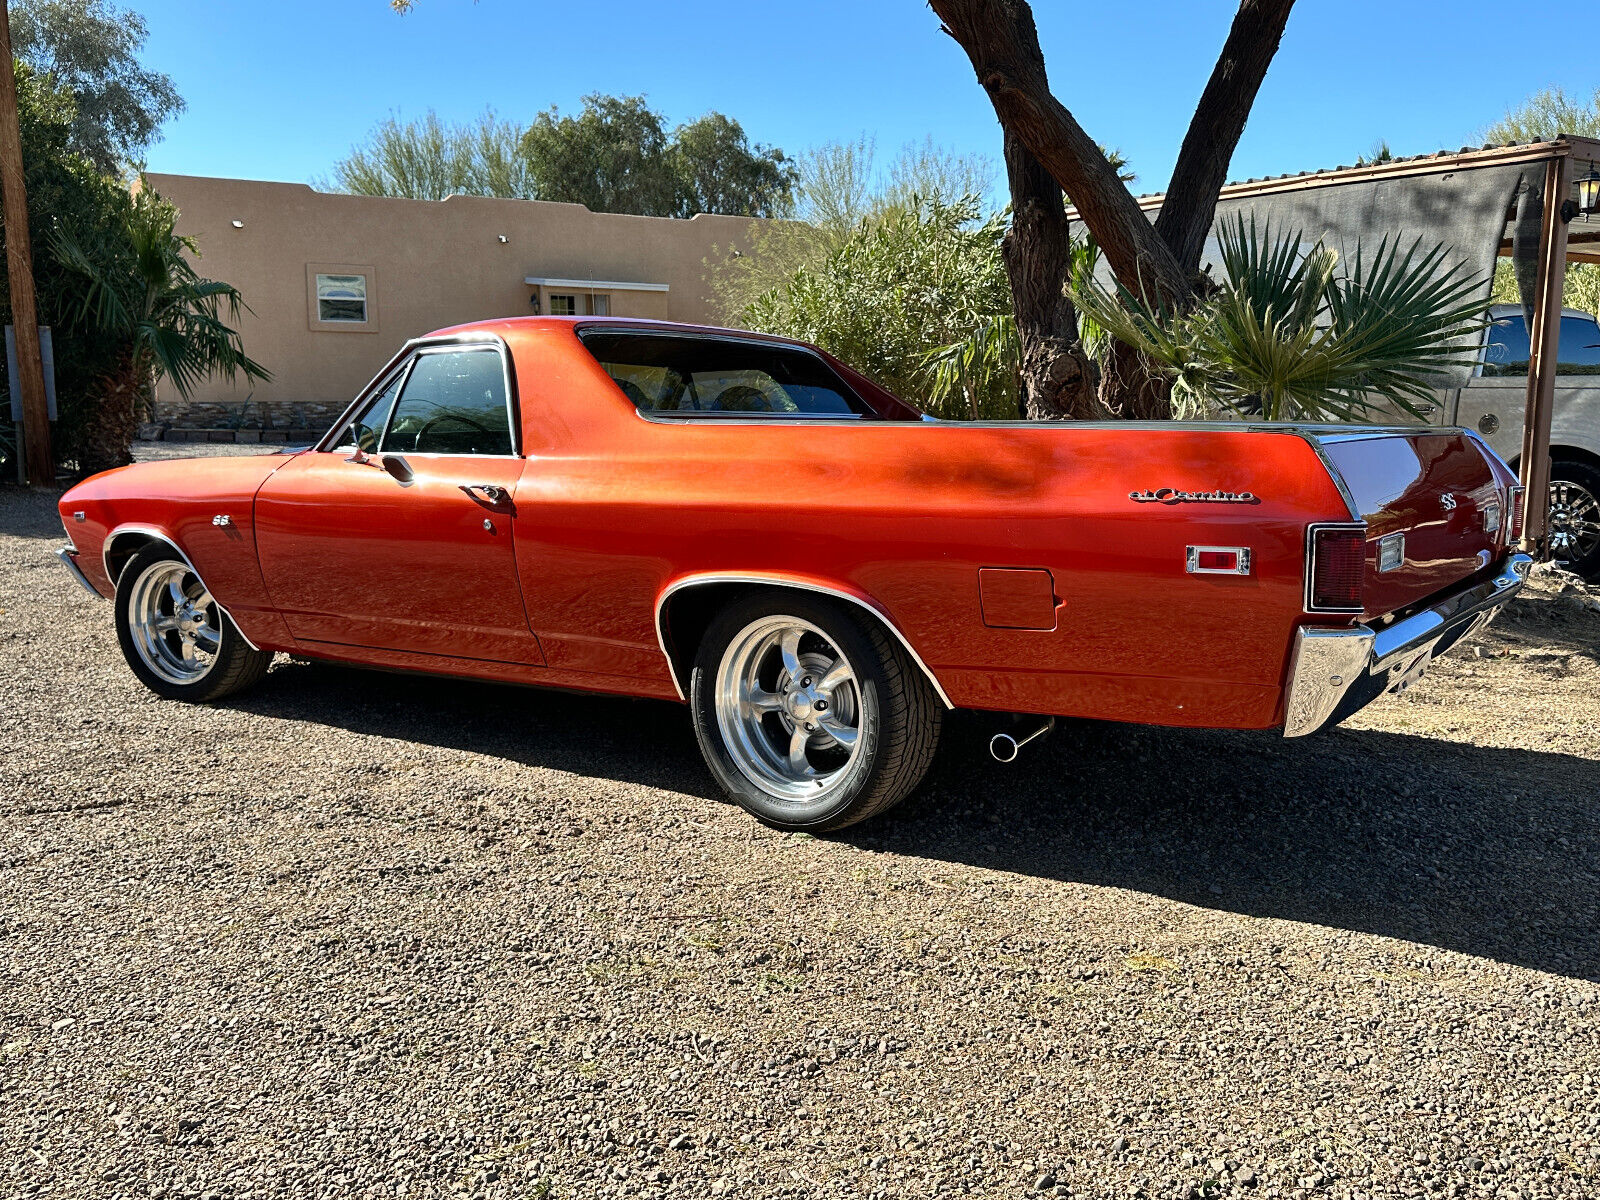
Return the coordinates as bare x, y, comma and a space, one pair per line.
396, 533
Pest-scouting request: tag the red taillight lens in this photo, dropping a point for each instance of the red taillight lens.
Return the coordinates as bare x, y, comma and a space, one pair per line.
1338, 562
1516, 512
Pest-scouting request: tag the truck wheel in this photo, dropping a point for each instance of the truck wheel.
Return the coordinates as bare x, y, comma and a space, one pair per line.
176, 638
1575, 515
809, 717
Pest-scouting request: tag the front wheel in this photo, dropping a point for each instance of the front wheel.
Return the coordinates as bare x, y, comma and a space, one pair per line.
808, 717
176, 638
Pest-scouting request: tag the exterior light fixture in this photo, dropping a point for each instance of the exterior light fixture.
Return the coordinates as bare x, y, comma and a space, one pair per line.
502, 238
238, 224
1589, 193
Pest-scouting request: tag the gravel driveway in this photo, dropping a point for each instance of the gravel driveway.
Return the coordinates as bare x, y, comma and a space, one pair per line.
364, 935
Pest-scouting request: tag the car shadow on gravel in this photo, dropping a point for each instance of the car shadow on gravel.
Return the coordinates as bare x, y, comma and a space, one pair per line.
1490, 852
632, 741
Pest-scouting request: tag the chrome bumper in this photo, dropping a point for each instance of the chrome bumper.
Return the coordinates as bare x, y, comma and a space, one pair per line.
1335, 672
69, 559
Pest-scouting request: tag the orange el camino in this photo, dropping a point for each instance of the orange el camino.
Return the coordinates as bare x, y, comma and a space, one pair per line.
746, 524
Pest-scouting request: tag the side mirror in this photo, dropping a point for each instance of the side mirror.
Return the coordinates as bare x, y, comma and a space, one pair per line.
398, 467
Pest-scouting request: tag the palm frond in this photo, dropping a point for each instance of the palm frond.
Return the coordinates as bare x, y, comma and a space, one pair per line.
179, 325
1297, 331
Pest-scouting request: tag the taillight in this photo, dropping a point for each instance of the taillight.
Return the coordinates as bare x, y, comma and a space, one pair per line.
1516, 512
1337, 557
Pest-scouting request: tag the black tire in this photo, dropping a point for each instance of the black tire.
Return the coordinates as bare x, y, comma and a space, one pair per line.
235, 665
1577, 474
899, 715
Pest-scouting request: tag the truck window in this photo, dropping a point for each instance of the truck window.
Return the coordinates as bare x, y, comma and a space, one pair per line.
699, 376
1578, 352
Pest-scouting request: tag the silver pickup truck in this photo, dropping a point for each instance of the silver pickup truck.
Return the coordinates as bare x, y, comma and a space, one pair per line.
1492, 404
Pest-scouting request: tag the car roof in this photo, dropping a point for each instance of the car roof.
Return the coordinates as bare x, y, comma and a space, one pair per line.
641, 324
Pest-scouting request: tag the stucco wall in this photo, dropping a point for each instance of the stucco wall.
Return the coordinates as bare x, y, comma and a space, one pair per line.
431, 264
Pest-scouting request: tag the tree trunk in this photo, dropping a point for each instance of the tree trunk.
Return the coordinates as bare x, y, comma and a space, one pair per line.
1000, 38
1058, 380
108, 435
1190, 204
1159, 261
1131, 388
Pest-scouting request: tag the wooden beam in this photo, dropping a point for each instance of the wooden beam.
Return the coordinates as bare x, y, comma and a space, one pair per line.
19, 267
1432, 164
1544, 341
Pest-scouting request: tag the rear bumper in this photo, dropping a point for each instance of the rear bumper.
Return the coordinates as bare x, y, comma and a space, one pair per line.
69, 559
1336, 672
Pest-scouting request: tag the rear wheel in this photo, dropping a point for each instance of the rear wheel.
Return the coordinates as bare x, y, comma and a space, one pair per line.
1575, 515
810, 718
176, 638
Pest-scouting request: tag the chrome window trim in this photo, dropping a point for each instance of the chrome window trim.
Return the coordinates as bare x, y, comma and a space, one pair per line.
470, 341
674, 417
1310, 561
162, 536
783, 581
371, 392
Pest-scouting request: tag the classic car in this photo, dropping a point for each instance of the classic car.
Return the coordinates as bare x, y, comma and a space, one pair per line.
745, 524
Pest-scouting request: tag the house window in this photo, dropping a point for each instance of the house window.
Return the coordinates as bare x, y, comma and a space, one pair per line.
563, 306
342, 298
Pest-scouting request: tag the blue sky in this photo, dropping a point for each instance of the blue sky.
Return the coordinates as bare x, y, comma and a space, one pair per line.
281, 90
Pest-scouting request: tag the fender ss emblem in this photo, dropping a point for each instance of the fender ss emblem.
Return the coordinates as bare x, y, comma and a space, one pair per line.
1174, 496
1447, 502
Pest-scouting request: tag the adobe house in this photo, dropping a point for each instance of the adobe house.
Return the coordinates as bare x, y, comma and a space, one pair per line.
336, 283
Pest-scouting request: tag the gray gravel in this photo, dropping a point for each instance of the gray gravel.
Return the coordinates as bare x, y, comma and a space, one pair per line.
363, 935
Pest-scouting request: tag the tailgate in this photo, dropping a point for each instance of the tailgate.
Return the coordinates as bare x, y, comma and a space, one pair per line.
1441, 489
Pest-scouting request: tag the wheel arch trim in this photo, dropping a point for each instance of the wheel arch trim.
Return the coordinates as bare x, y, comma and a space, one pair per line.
798, 584
160, 535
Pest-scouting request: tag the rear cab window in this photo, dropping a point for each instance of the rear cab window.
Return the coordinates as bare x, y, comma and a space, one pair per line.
693, 376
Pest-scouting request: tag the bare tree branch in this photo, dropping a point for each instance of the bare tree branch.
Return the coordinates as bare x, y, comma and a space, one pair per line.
1002, 42
1214, 131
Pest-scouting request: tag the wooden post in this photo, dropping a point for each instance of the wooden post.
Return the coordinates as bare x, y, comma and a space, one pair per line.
19, 266
1544, 346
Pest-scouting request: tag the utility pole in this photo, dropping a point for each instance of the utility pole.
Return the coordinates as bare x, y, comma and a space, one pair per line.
19, 266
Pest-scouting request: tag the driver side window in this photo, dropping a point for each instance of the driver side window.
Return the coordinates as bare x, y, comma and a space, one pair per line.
454, 402
367, 426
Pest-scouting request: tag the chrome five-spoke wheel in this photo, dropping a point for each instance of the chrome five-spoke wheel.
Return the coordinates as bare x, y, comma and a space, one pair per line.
178, 640
787, 707
174, 623
810, 715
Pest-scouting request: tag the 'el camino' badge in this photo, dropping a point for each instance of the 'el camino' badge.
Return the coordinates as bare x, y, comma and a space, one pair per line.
1174, 496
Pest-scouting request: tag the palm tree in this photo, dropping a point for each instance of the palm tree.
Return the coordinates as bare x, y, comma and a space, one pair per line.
177, 326
1288, 334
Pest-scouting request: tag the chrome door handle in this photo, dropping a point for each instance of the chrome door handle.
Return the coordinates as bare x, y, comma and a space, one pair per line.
493, 493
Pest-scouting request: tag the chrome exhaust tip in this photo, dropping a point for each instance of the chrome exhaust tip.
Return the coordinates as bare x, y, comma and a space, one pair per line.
1005, 748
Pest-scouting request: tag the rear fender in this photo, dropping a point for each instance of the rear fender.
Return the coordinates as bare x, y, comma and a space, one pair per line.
679, 651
